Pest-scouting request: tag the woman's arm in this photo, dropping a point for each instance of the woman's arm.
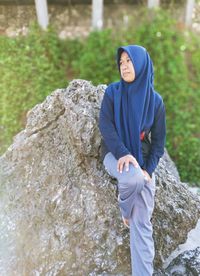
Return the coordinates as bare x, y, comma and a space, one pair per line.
108, 130
158, 136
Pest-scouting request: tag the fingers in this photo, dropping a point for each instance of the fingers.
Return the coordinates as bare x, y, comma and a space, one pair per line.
120, 165
134, 162
125, 161
127, 165
146, 175
126, 222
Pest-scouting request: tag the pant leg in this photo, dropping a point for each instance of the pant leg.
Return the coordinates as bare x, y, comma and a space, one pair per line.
129, 183
136, 203
141, 232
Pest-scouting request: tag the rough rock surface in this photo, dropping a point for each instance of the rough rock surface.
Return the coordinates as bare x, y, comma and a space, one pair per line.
176, 210
187, 263
58, 207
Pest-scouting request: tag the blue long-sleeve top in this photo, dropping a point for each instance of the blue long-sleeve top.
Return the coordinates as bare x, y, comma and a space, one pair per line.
113, 143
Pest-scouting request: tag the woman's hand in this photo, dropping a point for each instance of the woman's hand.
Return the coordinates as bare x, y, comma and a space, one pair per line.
146, 175
125, 160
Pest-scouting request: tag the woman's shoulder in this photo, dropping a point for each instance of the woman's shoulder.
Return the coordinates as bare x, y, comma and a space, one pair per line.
158, 97
158, 100
159, 105
111, 88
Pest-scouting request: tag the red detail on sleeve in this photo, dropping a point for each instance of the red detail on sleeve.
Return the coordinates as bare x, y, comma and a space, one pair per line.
142, 134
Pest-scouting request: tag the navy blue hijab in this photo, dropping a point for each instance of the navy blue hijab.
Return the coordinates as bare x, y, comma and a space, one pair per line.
135, 101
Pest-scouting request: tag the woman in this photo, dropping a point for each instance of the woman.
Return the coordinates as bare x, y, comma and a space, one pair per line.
132, 124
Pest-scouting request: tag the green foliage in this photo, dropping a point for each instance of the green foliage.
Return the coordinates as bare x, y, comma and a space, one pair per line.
36, 65
31, 67
97, 58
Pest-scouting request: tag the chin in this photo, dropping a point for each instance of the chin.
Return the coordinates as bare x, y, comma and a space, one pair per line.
128, 80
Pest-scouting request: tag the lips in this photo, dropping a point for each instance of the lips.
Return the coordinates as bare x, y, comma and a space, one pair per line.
125, 73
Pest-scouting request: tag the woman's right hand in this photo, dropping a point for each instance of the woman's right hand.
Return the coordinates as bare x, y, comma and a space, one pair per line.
125, 160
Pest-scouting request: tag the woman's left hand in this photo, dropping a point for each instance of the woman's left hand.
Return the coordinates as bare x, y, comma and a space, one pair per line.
146, 175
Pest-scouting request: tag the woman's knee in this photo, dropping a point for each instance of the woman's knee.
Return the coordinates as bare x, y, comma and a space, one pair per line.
132, 180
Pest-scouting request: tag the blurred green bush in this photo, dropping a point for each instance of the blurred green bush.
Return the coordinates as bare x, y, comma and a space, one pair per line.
31, 68
36, 65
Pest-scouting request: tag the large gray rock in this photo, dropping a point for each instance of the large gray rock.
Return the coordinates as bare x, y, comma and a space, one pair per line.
176, 210
187, 263
58, 207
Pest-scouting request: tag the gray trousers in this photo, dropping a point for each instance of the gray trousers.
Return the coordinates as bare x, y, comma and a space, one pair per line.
136, 202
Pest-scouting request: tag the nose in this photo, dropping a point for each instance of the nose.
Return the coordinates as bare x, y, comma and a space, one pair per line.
124, 66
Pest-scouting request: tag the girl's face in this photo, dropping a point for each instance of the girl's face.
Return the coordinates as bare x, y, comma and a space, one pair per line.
126, 68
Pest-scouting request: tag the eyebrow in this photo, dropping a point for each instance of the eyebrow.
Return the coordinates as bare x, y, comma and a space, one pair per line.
124, 58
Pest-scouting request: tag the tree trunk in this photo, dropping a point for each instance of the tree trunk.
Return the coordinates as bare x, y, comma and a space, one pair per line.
188, 13
153, 3
42, 13
97, 14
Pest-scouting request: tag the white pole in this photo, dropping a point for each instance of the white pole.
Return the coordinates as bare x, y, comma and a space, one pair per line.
188, 13
153, 3
42, 13
97, 14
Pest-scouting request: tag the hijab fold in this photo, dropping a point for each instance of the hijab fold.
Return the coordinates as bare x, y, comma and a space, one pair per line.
134, 102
